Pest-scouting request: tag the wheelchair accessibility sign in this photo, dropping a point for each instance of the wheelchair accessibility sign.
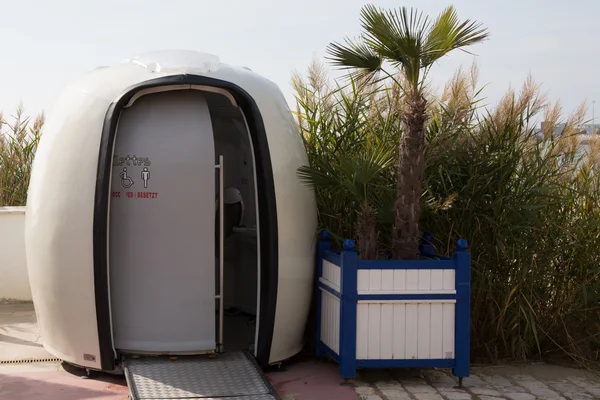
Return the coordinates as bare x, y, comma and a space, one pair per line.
126, 181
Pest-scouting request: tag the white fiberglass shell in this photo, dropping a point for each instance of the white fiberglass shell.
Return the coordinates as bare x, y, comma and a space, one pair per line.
62, 201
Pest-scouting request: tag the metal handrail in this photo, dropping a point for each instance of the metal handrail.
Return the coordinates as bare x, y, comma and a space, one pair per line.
219, 296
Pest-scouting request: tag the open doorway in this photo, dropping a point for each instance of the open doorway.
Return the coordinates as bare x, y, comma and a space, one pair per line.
164, 225
240, 230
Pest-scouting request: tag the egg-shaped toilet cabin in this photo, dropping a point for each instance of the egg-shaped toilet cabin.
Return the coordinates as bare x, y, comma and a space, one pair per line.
165, 216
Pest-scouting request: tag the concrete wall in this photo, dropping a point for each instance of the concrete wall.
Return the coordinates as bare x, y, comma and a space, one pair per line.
14, 281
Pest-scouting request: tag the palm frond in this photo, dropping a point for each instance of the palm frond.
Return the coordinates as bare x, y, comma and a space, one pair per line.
407, 39
316, 177
448, 33
397, 35
355, 55
365, 167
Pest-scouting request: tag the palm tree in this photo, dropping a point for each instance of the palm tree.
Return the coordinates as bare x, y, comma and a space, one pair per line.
356, 180
408, 41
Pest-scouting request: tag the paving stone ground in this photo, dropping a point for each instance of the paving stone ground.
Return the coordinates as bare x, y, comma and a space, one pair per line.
525, 382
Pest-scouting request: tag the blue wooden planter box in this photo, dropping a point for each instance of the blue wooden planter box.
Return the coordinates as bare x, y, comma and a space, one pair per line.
393, 314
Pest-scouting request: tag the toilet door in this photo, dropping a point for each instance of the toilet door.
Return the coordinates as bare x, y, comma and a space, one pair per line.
162, 238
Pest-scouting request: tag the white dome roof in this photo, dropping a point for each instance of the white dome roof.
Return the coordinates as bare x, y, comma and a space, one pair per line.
164, 60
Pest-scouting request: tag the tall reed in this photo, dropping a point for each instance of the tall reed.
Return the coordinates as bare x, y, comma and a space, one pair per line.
18, 143
350, 133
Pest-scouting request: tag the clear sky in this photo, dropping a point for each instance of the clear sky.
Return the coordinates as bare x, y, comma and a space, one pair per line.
45, 44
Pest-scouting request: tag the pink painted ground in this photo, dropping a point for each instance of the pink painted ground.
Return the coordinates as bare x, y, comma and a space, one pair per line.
59, 385
310, 380
301, 380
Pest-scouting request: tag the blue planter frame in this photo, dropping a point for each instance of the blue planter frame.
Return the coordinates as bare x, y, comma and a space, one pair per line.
349, 264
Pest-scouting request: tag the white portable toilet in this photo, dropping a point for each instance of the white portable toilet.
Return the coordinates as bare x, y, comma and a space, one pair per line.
165, 217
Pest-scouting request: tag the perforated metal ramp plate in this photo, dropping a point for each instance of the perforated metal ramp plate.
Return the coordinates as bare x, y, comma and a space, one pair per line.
232, 376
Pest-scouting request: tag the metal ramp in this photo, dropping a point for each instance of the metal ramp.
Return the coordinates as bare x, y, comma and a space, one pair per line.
230, 376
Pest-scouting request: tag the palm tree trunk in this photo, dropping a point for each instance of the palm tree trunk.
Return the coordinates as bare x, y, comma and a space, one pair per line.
411, 165
366, 230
